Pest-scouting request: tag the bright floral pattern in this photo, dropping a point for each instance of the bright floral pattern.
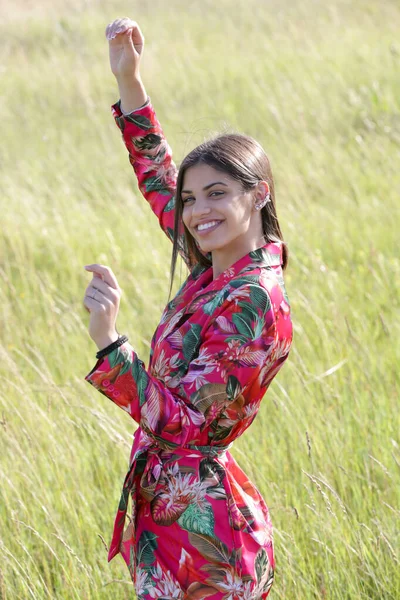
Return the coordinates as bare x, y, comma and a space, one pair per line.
198, 527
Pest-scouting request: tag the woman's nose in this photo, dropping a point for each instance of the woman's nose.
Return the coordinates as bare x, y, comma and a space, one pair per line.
200, 208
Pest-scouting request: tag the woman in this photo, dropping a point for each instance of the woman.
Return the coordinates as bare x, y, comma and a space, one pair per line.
199, 528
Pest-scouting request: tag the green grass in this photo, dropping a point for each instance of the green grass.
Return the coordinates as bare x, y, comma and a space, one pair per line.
317, 84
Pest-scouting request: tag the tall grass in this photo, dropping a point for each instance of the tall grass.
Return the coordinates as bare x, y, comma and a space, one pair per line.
317, 84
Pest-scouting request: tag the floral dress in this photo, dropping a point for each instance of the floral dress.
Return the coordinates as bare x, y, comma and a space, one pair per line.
197, 527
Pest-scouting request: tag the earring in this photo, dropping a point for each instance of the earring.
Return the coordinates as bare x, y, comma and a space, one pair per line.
264, 202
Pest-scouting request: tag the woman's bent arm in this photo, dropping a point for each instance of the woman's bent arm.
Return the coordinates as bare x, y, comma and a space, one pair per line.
217, 392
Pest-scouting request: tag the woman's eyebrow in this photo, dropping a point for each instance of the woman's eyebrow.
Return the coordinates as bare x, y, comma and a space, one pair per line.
206, 187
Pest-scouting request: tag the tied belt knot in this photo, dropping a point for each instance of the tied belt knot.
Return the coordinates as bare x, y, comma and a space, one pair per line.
151, 464
157, 459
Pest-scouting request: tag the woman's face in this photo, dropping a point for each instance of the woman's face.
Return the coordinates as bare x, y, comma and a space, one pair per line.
216, 210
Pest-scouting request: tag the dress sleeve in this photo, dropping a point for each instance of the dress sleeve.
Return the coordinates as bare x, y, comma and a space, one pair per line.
222, 385
151, 159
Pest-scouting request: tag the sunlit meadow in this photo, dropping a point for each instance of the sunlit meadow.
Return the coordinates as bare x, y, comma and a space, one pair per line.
317, 83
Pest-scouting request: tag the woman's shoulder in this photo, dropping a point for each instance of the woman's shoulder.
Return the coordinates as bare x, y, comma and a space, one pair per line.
262, 285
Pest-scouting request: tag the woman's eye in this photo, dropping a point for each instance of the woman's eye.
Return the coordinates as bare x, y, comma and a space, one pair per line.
190, 199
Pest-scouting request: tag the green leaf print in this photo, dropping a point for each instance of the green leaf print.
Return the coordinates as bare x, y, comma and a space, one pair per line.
140, 376
146, 547
139, 121
141, 461
233, 388
221, 433
123, 502
260, 298
170, 233
167, 444
209, 468
235, 557
197, 271
249, 309
155, 184
120, 356
121, 123
191, 341
198, 521
251, 316
257, 255
261, 564
240, 338
148, 142
115, 357
212, 549
258, 328
207, 395
170, 205
245, 280
243, 324
132, 557
125, 368
218, 300
249, 313
270, 580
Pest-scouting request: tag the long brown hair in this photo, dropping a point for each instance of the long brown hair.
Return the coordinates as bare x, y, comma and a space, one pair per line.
242, 158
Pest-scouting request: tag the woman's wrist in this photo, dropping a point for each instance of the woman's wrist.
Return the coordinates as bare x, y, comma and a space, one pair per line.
132, 93
113, 346
105, 341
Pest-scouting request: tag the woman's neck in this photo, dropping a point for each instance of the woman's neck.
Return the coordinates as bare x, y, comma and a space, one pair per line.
224, 258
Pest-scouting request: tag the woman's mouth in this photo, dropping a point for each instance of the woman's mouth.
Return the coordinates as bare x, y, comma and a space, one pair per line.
205, 228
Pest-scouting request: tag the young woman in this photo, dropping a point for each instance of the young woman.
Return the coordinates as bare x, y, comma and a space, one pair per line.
198, 527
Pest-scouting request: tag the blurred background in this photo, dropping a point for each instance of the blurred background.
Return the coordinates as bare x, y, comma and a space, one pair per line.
317, 83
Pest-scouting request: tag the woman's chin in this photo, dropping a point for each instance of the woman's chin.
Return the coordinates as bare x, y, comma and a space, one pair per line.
206, 248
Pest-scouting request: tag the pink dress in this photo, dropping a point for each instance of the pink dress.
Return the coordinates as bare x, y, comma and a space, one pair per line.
198, 528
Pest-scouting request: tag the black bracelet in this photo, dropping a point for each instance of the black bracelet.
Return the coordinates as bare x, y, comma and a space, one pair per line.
121, 340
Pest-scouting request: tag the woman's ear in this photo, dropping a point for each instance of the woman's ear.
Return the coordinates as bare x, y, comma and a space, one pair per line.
262, 190
261, 195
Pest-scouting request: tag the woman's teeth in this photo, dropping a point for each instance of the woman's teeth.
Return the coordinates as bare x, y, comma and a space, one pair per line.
209, 225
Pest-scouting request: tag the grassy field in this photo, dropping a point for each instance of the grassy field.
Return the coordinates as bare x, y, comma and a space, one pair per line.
318, 85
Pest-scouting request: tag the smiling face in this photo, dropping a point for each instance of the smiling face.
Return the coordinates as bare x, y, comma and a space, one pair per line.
219, 214
218, 186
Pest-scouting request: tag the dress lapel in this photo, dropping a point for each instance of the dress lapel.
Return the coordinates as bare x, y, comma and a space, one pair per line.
203, 287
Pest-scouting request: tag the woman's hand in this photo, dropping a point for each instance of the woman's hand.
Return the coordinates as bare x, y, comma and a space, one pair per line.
126, 43
102, 298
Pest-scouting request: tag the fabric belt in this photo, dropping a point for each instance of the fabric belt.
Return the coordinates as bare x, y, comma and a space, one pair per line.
152, 480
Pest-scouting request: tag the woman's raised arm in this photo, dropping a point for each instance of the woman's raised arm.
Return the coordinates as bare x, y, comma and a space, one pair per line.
149, 152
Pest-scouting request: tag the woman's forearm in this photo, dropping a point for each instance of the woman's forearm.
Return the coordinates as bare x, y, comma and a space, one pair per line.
132, 93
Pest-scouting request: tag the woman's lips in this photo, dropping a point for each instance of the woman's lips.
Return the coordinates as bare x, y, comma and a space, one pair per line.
203, 232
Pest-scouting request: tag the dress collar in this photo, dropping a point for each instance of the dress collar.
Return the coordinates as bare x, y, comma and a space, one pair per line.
269, 255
